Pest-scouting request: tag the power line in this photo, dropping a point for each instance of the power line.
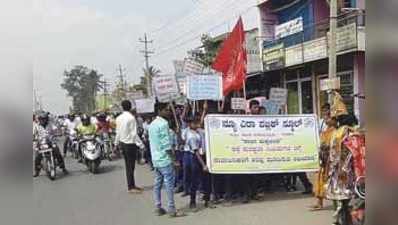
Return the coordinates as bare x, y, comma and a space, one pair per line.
194, 38
208, 16
146, 52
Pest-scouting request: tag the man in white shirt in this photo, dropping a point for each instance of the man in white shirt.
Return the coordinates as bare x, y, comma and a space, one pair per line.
129, 142
70, 124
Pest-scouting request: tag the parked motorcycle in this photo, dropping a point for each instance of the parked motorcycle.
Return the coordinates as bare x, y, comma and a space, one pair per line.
46, 148
91, 153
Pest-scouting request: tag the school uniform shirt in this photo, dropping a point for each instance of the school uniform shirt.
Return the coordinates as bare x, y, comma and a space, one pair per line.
202, 134
192, 140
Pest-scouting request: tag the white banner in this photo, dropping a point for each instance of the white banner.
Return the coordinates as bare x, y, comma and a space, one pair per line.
250, 144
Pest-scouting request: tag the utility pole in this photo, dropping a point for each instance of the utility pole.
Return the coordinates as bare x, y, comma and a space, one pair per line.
147, 54
332, 44
332, 41
106, 84
122, 80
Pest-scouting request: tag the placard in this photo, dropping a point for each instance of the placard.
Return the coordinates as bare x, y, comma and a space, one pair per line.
238, 104
132, 95
253, 144
192, 67
166, 88
330, 84
145, 105
278, 95
205, 87
271, 107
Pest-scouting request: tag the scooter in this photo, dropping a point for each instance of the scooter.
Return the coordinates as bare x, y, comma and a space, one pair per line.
91, 153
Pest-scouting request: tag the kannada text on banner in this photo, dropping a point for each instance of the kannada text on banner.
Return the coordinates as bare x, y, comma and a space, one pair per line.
250, 144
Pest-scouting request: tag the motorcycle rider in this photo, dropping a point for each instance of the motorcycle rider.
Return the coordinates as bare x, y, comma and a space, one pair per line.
71, 124
85, 128
103, 126
43, 129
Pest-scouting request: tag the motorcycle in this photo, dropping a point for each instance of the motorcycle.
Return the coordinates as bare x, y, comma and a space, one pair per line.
91, 153
45, 148
106, 145
74, 144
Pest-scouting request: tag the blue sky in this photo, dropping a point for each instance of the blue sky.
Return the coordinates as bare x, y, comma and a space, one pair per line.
101, 34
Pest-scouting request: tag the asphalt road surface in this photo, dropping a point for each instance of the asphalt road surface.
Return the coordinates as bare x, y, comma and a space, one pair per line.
82, 198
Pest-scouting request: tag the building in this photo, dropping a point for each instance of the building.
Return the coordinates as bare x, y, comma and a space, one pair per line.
294, 51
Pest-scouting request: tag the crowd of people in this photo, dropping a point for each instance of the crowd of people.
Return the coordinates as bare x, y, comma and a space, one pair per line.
172, 141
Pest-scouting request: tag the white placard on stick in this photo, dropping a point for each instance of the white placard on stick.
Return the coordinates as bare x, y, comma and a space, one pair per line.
166, 88
145, 105
204, 87
278, 95
238, 104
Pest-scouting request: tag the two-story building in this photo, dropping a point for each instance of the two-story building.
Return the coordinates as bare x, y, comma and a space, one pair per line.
294, 51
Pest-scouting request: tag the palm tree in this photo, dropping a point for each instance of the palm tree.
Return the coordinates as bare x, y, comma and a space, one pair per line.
149, 74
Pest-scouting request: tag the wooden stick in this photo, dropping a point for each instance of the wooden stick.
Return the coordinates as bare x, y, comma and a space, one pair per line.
175, 115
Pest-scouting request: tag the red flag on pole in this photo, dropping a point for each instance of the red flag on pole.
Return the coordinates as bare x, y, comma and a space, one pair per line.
231, 60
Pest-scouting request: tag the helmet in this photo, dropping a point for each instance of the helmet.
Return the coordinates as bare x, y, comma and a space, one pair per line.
43, 118
101, 117
85, 120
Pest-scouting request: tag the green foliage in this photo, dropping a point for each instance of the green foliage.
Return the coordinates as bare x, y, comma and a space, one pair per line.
206, 54
82, 84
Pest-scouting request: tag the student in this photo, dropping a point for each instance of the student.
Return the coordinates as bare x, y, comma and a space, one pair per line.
191, 164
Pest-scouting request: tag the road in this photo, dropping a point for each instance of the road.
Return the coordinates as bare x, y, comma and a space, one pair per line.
81, 198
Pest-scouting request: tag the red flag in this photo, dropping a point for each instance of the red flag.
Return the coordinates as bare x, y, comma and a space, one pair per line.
231, 60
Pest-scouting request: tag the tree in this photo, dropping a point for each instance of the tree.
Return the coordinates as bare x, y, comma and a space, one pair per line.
149, 74
82, 84
208, 51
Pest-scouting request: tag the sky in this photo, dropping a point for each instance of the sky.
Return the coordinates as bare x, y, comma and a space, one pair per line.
101, 34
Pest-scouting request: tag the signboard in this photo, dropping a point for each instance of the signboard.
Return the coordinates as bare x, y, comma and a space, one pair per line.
238, 104
250, 144
205, 87
273, 57
271, 107
289, 28
145, 105
192, 67
330, 84
253, 51
346, 37
315, 49
294, 55
166, 88
278, 95
132, 95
